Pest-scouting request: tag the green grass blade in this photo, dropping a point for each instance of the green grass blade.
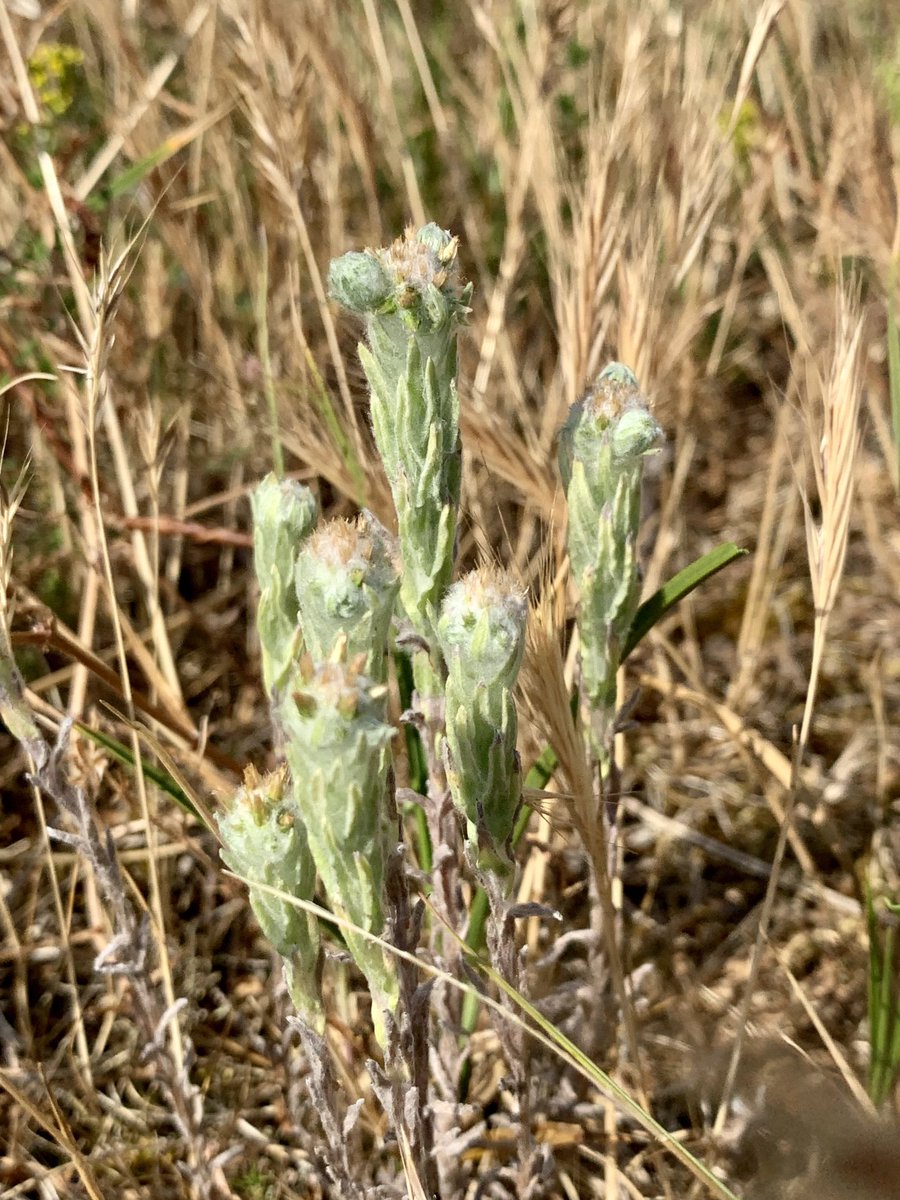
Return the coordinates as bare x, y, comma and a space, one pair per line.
580, 1061
418, 766
160, 778
676, 589
884, 999
876, 1003
126, 181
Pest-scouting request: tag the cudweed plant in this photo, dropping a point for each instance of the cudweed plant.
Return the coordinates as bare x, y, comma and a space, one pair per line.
265, 840
337, 743
413, 305
482, 631
284, 515
330, 602
602, 448
335, 603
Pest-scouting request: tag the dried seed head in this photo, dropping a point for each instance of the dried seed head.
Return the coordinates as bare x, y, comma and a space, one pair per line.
260, 793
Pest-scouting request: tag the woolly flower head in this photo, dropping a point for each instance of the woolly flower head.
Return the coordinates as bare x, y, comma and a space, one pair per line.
359, 550
613, 414
482, 625
346, 584
416, 276
336, 691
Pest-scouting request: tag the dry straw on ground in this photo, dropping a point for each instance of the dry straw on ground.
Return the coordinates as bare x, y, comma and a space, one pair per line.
694, 189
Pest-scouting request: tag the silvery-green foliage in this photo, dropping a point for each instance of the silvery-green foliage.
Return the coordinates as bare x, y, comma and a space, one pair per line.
413, 305
284, 514
359, 281
263, 839
347, 584
482, 636
601, 452
338, 747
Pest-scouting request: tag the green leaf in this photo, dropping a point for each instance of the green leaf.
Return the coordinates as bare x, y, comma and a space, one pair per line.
884, 998
126, 181
418, 764
160, 778
676, 589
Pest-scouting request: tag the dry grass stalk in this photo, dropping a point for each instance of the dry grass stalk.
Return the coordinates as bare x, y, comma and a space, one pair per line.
545, 686
834, 436
834, 441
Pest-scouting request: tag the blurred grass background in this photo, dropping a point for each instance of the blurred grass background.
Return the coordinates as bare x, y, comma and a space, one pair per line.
681, 187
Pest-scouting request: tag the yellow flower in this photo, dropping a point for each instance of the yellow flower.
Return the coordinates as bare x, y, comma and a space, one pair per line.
52, 69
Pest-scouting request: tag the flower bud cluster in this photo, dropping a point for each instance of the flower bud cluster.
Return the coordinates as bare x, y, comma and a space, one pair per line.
327, 599
284, 515
602, 448
482, 633
413, 306
338, 747
347, 582
265, 840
